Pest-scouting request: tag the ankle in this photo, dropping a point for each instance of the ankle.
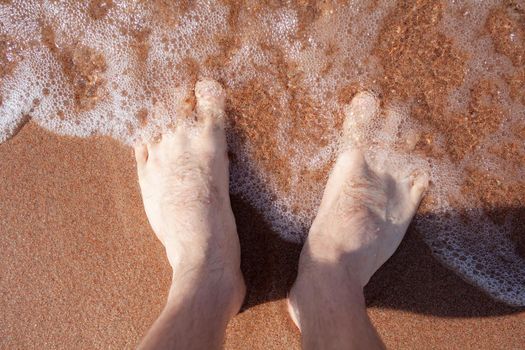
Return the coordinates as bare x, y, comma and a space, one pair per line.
224, 287
201, 261
320, 278
321, 285
325, 272
353, 261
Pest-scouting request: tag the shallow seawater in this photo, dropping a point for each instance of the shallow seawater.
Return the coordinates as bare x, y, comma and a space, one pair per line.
450, 77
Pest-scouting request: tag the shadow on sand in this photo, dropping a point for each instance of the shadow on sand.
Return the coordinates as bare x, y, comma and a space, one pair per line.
412, 280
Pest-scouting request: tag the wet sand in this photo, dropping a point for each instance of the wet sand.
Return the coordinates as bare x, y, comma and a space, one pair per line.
80, 267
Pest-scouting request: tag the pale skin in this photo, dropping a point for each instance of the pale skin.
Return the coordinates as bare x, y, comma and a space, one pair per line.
362, 219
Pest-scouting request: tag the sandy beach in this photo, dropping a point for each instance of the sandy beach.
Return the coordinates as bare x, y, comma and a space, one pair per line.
81, 268
449, 75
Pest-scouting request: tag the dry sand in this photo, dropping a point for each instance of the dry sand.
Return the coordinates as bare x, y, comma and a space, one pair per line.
80, 267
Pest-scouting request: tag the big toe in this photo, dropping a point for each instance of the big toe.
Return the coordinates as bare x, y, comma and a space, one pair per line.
418, 182
358, 115
210, 101
141, 155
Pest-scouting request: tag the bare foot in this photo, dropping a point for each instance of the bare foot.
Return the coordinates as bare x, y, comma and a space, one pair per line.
364, 213
184, 183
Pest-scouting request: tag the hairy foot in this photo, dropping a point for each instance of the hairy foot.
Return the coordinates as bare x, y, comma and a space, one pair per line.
184, 182
364, 213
